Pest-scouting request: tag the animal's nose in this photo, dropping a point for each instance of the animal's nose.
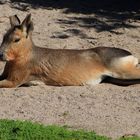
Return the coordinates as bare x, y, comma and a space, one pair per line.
1, 55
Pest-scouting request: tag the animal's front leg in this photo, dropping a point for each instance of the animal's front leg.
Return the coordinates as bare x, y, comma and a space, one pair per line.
14, 80
16, 77
8, 84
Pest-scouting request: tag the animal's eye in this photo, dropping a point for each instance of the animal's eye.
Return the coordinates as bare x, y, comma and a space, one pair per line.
17, 40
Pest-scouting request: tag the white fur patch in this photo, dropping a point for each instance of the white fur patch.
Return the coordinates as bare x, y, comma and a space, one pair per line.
93, 81
130, 59
121, 64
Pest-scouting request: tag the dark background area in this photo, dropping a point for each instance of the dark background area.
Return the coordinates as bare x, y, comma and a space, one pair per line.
115, 11
82, 6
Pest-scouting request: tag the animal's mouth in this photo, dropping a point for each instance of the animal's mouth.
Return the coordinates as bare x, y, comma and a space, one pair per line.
6, 57
9, 57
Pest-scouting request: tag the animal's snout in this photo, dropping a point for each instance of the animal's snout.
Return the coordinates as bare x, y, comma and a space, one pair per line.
1, 55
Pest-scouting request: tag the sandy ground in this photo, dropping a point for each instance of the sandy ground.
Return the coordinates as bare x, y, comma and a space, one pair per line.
107, 109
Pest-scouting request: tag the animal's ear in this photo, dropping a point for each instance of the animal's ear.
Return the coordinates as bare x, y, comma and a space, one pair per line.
14, 20
27, 25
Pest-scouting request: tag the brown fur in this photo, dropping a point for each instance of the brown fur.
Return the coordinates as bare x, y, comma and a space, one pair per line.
26, 62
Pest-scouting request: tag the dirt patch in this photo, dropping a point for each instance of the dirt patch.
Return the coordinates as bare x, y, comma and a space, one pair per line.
106, 109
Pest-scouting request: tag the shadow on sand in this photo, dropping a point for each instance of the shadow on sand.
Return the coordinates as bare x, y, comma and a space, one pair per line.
108, 14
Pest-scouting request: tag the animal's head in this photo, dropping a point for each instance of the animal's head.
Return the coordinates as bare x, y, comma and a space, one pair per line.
17, 39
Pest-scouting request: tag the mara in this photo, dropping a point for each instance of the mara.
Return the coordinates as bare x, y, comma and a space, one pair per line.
61, 67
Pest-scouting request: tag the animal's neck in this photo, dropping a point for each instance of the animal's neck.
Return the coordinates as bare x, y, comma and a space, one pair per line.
25, 54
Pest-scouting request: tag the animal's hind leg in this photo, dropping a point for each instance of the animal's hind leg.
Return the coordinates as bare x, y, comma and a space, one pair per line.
28, 84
